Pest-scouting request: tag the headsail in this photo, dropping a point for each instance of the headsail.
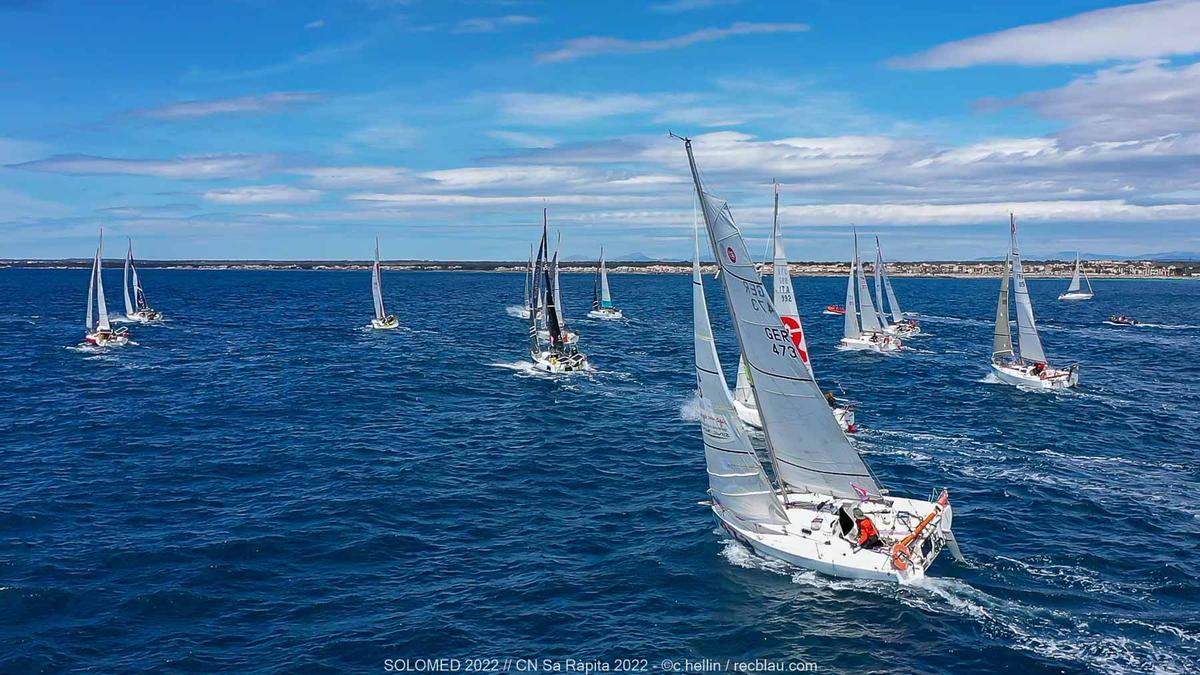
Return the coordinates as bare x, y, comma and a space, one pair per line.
535, 346
806, 444
736, 479
1002, 336
881, 272
1027, 336
92, 291
377, 285
866, 308
785, 296
1074, 287
125, 279
851, 328
562, 320
529, 281
605, 296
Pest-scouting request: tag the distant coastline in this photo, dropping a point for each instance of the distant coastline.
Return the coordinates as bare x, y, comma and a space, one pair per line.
1097, 269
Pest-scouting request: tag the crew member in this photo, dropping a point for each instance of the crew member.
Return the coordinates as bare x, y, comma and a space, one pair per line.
868, 536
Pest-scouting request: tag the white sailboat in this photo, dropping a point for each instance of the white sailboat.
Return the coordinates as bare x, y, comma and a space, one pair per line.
382, 320
862, 330
136, 308
789, 313
1074, 291
602, 304
557, 356
826, 511
1028, 367
99, 331
900, 325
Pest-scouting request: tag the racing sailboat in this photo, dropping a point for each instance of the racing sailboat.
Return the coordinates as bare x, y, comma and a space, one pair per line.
789, 313
1026, 366
1073, 291
382, 320
136, 309
602, 304
557, 356
900, 325
862, 330
99, 331
825, 511
569, 336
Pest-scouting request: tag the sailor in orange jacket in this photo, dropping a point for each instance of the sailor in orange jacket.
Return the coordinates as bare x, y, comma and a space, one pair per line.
868, 535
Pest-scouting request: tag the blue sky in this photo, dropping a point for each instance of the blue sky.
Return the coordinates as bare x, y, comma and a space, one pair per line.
258, 129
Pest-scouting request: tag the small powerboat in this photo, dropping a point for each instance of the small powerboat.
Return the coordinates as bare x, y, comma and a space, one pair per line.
835, 310
1121, 320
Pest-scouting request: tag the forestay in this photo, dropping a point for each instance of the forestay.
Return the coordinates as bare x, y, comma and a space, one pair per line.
92, 292
736, 479
125, 279
806, 444
1027, 336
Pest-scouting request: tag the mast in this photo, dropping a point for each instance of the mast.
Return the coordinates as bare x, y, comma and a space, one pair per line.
125, 279
1028, 342
1002, 335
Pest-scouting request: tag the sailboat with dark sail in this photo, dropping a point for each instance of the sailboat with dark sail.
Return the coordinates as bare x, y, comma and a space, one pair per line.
136, 308
557, 355
824, 510
602, 302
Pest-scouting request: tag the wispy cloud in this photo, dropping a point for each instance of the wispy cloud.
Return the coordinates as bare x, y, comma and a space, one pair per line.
1140, 31
678, 6
492, 24
521, 139
312, 25
256, 103
579, 48
201, 167
263, 194
536, 108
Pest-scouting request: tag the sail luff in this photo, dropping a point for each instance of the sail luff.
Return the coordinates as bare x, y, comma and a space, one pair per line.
528, 279
808, 448
736, 480
1002, 335
125, 279
1028, 342
879, 281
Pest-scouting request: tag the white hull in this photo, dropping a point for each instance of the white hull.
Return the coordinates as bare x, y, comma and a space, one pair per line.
386, 323
145, 316
749, 416
552, 363
1022, 376
110, 339
1079, 295
880, 345
829, 313
815, 540
606, 314
903, 330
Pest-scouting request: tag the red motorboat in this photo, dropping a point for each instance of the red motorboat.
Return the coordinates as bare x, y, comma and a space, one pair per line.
835, 310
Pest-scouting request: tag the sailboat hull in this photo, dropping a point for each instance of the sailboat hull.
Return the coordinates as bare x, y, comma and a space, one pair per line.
145, 316
606, 314
1078, 295
883, 345
386, 323
904, 330
111, 339
814, 540
1021, 376
553, 363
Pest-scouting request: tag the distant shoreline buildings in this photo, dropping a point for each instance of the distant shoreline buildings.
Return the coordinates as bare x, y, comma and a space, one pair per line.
1097, 269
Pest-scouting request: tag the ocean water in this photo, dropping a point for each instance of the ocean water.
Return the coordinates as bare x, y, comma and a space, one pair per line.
262, 484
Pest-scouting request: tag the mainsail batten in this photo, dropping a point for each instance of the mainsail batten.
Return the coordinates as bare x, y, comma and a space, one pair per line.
809, 449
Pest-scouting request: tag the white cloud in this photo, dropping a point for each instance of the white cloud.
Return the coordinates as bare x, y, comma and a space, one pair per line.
570, 108
1128, 32
492, 24
355, 177
318, 23
263, 194
521, 139
987, 212
200, 167
579, 48
258, 103
447, 200
679, 6
388, 136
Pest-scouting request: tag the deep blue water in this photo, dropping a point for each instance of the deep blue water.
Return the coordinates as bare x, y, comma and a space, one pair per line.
262, 484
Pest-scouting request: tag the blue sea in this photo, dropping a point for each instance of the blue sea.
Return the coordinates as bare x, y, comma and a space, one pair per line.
262, 484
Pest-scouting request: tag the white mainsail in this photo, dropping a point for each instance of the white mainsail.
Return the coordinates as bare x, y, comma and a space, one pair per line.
785, 296
851, 329
866, 308
125, 279
1002, 336
92, 292
377, 285
808, 449
1027, 335
605, 295
736, 479
562, 319
881, 274
101, 307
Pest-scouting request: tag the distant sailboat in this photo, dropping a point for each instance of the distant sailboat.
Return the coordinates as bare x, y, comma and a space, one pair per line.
1073, 291
569, 336
900, 325
789, 313
1027, 367
602, 304
826, 511
557, 356
862, 330
99, 331
136, 309
382, 320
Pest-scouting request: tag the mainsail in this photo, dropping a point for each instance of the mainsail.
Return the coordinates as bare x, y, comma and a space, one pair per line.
1027, 336
377, 285
851, 329
866, 308
125, 279
605, 296
1002, 336
736, 479
881, 274
92, 291
535, 346
807, 447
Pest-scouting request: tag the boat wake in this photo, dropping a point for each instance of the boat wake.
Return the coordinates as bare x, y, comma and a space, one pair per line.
527, 368
517, 311
690, 409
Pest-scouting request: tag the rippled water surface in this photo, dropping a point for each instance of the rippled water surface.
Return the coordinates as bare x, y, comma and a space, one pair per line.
263, 484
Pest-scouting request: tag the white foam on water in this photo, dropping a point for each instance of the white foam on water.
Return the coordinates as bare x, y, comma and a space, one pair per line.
517, 312
690, 409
